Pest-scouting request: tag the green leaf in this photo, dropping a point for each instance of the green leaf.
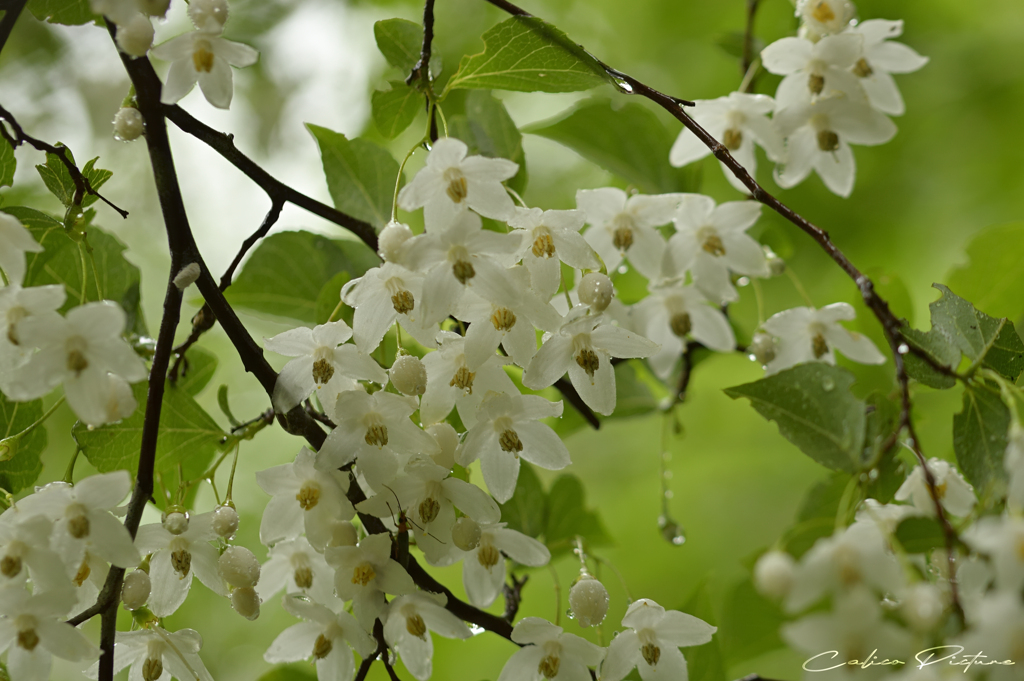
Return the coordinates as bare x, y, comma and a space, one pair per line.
750, 624
993, 277
526, 511
68, 12
487, 129
360, 175
568, 516
329, 297
400, 41
704, 662
394, 110
815, 410
939, 349
629, 141
61, 263
920, 535
289, 672
286, 272
188, 436
201, 366
980, 437
983, 339
22, 469
817, 515
7, 164
732, 44
57, 178
633, 397
529, 55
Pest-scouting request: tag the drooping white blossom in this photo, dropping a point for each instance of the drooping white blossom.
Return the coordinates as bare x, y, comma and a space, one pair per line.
206, 58
1001, 538
549, 653
550, 237
814, 69
623, 226
296, 567
483, 566
653, 641
32, 631
176, 558
364, 573
824, 17
382, 296
880, 58
16, 305
157, 654
328, 636
804, 334
15, 242
955, 494
452, 380
410, 620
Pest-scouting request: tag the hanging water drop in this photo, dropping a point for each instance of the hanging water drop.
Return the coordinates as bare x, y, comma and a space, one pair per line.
903, 349
827, 384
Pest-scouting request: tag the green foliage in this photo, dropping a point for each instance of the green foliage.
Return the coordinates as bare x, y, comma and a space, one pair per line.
286, 272
57, 178
7, 164
68, 12
329, 297
400, 42
487, 129
993, 277
529, 55
188, 436
201, 365
629, 141
704, 662
815, 410
980, 437
560, 515
750, 624
938, 349
817, 515
394, 110
289, 672
108, 275
20, 465
920, 535
733, 43
360, 175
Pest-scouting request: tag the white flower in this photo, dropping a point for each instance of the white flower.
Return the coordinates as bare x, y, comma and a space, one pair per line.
303, 499
550, 237
16, 305
463, 256
1002, 540
824, 17
807, 335
818, 136
955, 494
814, 70
508, 428
328, 636
671, 314
410, 619
653, 644
997, 630
373, 430
623, 226
159, 655
451, 182
176, 557
25, 549
15, 241
584, 347
886, 517
79, 350
296, 567
206, 58
121, 11
453, 380
548, 653
881, 58
381, 296
320, 356
738, 121
32, 631
1013, 463
364, 573
208, 15
483, 567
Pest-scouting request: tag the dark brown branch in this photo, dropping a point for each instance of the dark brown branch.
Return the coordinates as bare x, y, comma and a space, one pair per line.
82, 184
421, 71
382, 650
460, 609
11, 14
513, 594
748, 42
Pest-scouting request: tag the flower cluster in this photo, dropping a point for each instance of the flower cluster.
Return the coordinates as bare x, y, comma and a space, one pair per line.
837, 90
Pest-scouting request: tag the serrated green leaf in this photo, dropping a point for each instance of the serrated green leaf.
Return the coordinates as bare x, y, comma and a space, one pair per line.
8, 164
400, 41
488, 130
526, 511
286, 272
983, 339
22, 469
920, 535
993, 278
529, 55
939, 348
750, 624
815, 410
394, 110
109, 276
289, 672
980, 437
568, 516
360, 175
202, 364
188, 436
67, 12
628, 141
57, 178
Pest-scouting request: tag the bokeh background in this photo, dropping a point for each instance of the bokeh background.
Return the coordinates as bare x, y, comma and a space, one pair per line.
955, 168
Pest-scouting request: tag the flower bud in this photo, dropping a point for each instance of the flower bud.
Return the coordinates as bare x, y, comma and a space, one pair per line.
208, 15
128, 124
776, 265
225, 521
762, 348
596, 290
409, 375
588, 600
136, 37
136, 588
154, 8
391, 239
343, 533
448, 440
922, 606
246, 602
466, 533
773, 574
175, 522
239, 567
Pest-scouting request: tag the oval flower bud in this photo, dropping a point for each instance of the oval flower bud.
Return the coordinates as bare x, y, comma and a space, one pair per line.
136, 37
391, 239
448, 440
128, 124
225, 521
589, 601
922, 606
343, 533
246, 602
208, 15
409, 375
773, 574
239, 567
136, 588
596, 290
175, 522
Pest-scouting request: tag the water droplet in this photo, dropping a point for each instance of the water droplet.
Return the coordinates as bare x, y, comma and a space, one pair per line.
743, 281
903, 349
671, 531
668, 475
623, 269
392, 658
624, 86
475, 630
827, 384
669, 494
570, 614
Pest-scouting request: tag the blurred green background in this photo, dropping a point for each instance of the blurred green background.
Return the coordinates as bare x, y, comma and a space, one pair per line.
955, 168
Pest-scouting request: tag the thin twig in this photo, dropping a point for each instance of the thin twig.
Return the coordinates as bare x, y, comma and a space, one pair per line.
382, 650
11, 14
748, 43
572, 397
513, 594
421, 71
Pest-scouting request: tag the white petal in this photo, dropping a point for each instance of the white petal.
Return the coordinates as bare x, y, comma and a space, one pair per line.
217, 84
787, 55
837, 169
181, 78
